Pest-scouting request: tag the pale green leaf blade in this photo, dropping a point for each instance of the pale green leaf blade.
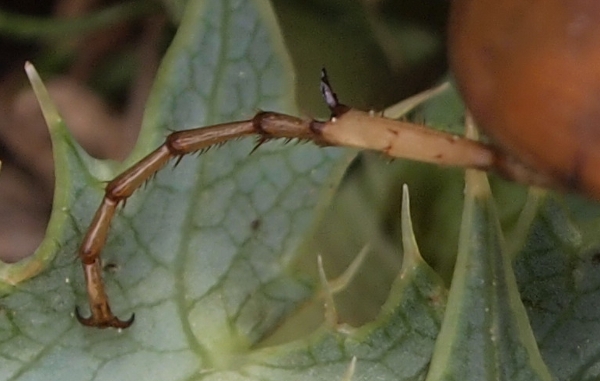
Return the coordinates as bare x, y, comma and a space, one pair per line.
39, 313
205, 254
397, 345
485, 334
68, 162
558, 277
202, 255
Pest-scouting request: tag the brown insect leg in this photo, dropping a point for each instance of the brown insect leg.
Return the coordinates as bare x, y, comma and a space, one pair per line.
102, 316
265, 124
347, 127
405, 140
89, 252
354, 128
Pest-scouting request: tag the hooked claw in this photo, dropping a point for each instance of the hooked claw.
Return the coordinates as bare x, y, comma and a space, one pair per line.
103, 320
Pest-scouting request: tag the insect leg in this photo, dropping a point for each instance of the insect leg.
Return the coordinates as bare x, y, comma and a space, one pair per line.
267, 125
354, 128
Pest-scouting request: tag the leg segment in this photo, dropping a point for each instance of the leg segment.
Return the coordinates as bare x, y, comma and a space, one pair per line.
265, 124
347, 127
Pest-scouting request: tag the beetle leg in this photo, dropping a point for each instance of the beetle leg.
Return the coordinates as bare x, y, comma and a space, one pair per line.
267, 125
347, 127
398, 139
101, 316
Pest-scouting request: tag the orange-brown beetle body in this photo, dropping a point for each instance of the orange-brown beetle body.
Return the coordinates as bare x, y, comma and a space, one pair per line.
529, 72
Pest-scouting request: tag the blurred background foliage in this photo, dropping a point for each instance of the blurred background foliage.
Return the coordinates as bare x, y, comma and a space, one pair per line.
99, 58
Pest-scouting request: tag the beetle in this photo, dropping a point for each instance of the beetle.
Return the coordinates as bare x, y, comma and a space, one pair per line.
526, 71
529, 73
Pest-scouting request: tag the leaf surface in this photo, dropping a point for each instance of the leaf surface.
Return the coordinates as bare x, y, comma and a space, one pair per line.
202, 255
485, 334
206, 254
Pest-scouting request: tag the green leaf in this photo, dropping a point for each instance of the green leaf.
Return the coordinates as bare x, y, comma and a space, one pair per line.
202, 255
397, 345
485, 334
559, 282
215, 256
